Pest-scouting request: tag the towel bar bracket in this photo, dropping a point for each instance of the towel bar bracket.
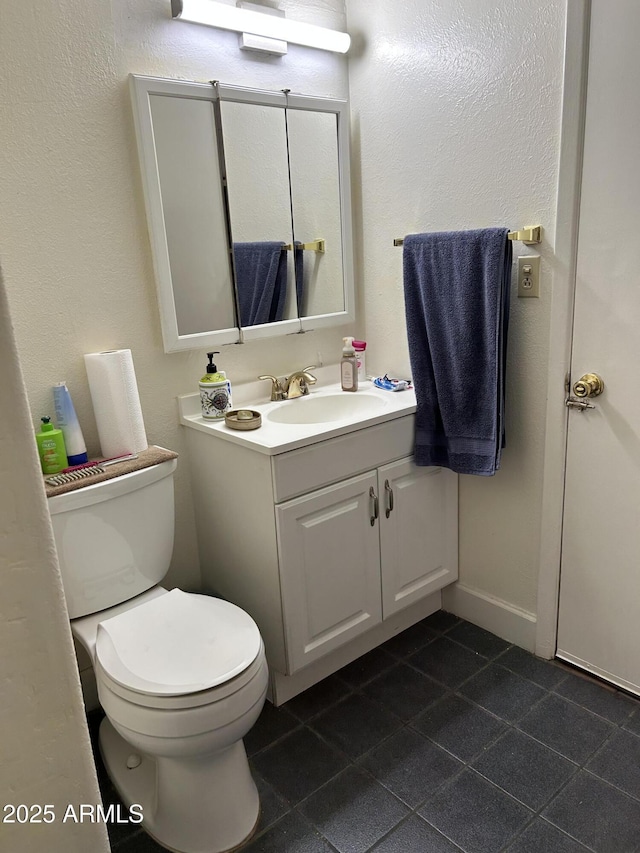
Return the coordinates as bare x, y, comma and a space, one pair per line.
314, 246
530, 235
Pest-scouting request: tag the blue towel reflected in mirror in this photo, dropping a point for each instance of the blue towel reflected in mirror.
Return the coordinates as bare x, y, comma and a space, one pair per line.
261, 280
298, 261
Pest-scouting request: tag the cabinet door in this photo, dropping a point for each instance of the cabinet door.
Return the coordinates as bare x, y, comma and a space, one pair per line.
418, 532
329, 568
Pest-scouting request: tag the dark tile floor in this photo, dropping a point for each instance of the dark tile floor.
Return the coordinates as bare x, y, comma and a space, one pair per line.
446, 738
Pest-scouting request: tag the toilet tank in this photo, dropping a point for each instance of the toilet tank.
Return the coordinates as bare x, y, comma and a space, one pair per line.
115, 538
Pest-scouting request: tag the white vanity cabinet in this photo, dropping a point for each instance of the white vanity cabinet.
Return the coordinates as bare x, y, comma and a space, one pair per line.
332, 547
355, 553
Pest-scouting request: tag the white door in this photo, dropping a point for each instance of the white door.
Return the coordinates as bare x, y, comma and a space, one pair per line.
599, 613
329, 555
418, 532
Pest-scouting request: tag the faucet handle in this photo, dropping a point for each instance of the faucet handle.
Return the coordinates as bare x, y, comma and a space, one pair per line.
311, 379
277, 391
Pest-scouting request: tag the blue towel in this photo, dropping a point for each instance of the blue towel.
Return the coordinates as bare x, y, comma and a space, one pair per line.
298, 261
261, 281
456, 286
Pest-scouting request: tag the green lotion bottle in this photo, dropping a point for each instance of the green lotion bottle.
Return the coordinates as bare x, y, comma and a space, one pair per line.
50, 441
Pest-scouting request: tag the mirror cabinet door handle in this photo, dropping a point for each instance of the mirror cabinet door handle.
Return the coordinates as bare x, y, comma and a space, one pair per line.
389, 493
373, 497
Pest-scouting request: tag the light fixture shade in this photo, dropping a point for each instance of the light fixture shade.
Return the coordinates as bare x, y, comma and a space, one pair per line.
226, 17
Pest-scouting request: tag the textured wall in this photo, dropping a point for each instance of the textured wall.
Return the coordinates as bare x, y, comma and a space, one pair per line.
45, 755
456, 119
73, 232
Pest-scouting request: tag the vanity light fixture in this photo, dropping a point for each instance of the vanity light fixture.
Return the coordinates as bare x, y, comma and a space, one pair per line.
226, 17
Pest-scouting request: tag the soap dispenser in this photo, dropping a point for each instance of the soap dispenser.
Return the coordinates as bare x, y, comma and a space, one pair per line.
349, 366
215, 392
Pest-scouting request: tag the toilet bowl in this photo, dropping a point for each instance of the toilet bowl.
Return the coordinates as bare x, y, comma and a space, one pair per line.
181, 677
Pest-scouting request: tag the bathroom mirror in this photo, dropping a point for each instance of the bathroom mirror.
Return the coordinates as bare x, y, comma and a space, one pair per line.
248, 206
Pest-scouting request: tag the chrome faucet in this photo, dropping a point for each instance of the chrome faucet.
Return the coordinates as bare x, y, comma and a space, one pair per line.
296, 385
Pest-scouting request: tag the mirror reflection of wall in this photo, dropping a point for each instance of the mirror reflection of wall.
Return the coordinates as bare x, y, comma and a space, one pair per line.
191, 192
255, 154
315, 196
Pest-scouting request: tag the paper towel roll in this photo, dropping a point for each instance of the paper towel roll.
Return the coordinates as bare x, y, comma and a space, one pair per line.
116, 404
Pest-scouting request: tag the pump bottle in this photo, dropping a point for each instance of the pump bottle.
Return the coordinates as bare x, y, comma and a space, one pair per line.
51, 449
349, 366
215, 392
359, 348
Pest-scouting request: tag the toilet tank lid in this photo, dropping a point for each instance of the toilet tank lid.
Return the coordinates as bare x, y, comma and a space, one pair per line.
176, 644
108, 489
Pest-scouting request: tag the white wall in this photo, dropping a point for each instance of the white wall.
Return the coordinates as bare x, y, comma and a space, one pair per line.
73, 233
45, 755
456, 120
456, 112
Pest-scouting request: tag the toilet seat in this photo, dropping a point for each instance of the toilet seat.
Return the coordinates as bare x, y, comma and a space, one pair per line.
175, 646
223, 694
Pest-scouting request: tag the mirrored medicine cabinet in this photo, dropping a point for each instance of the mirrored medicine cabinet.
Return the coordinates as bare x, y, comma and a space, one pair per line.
247, 195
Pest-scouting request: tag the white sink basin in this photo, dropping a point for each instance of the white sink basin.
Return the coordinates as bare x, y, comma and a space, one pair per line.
327, 412
327, 408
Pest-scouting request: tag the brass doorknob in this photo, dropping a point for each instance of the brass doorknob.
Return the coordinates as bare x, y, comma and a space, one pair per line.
589, 385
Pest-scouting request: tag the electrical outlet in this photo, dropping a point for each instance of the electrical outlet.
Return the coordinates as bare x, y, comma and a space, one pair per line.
529, 276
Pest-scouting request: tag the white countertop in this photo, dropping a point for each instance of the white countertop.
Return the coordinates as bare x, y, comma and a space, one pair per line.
273, 438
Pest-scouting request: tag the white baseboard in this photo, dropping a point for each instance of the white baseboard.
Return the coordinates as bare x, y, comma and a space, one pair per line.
501, 618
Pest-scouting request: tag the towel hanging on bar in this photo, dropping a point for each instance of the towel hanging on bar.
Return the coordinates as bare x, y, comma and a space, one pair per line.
529, 235
456, 286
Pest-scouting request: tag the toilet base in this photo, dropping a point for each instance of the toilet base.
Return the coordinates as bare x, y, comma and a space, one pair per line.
191, 805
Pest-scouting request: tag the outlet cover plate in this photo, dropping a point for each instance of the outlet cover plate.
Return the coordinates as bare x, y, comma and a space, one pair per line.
529, 276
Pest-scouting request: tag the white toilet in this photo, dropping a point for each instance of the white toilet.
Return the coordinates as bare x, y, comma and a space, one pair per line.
181, 677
